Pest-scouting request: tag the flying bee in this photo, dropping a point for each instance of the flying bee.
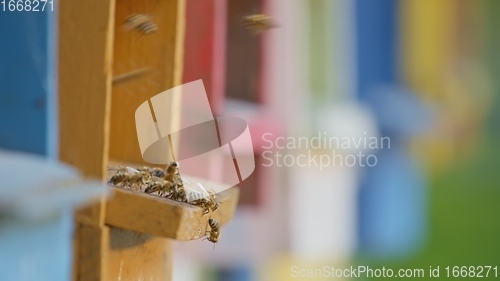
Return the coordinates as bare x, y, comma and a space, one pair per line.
142, 23
214, 232
258, 23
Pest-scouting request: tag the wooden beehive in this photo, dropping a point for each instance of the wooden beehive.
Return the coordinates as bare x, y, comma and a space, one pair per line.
127, 237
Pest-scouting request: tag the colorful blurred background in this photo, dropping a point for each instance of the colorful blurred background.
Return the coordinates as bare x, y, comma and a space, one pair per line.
420, 73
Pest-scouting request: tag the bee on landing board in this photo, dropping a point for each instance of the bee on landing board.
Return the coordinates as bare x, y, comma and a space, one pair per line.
161, 186
154, 172
172, 172
177, 193
158, 172
130, 178
214, 232
142, 23
205, 199
117, 178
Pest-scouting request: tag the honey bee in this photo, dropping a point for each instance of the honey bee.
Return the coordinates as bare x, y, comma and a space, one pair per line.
144, 168
154, 172
142, 23
138, 179
132, 178
172, 172
214, 232
258, 23
166, 182
119, 169
162, 187
205, 199
117, 178
177, 193
158, 172
173, 175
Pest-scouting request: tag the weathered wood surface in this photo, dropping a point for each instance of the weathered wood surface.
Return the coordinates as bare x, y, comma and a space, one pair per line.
163, 217
144, 65
138, 256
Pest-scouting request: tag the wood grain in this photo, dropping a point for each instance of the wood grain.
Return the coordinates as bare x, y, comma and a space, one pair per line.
85, 45
85, 83
163, 217
91, 253
138, 256
160, 53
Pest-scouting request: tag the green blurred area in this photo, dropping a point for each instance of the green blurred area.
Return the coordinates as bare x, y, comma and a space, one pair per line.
464, 217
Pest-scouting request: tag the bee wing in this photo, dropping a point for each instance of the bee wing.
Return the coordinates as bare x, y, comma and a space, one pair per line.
203, 189
132, 170
194, 191
156, 179
116, 169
